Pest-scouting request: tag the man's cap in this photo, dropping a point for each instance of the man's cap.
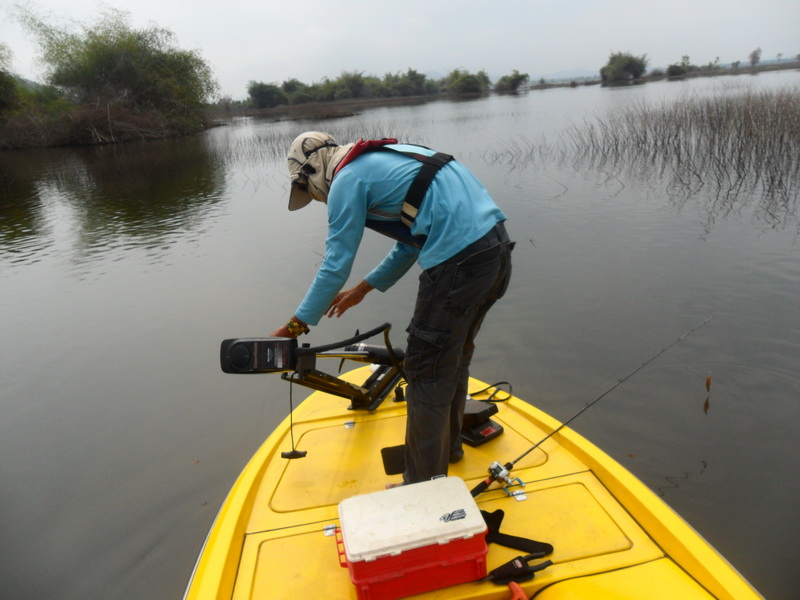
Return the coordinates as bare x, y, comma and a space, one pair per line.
300, 157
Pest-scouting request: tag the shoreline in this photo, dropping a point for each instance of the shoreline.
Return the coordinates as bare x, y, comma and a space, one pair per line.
28, 132
347, 108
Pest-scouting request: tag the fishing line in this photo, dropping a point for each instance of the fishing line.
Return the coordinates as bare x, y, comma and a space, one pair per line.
498, 472
608, 391
294, 453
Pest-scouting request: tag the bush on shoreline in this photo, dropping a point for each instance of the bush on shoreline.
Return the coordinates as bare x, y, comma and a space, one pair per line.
110, 83
107, 83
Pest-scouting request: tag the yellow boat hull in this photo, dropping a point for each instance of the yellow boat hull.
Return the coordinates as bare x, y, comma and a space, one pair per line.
613, 537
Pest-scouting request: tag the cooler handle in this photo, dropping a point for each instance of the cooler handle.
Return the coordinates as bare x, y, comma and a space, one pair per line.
340, 547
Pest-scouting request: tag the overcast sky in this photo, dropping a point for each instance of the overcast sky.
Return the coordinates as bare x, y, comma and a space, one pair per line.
273, 41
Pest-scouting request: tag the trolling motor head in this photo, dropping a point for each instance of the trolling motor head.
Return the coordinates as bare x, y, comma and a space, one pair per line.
259, 355
298, 364
282, 355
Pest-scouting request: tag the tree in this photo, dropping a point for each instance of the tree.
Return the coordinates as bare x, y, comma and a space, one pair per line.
109, 62
623, 66
511, 83
264, 95
296, 91
5, 58
354, 84
682, 68
755, 57
460, 82
410, 83
8, 83
676, 70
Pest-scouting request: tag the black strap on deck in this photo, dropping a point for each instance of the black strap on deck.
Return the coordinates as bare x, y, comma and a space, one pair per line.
532, 547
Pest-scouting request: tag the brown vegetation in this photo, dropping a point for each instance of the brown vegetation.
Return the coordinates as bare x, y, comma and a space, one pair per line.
86, 124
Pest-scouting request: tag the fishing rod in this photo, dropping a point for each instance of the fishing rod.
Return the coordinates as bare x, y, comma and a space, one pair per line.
498, 472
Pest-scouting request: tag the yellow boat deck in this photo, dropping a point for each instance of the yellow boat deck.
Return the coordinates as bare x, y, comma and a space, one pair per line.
612, 537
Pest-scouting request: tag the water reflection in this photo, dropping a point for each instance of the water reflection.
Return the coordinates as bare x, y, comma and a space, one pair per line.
106, 196
23, 222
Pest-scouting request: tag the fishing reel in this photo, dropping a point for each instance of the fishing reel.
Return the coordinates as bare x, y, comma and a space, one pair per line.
499, 473
502, 473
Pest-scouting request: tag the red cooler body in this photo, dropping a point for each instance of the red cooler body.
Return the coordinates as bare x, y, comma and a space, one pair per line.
412, 539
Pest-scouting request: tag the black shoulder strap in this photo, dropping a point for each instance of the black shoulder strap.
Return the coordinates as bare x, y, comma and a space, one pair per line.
416, 192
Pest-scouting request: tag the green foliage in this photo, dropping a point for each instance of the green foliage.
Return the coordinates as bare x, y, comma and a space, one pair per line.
623, 66
8, 83
682, 68
352, 85
410, 83
21, 98
5, 58
109, 62
460, 82
755, 57
264, 95
676, 70
511, 83
42, 98
8, 95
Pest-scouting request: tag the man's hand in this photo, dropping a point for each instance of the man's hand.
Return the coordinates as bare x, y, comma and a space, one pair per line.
297, 327
348, 298
281, 332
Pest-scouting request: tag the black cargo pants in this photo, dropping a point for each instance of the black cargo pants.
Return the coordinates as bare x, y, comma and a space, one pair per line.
452, 302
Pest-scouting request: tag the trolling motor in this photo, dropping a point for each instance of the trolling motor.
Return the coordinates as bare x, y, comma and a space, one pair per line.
297, 364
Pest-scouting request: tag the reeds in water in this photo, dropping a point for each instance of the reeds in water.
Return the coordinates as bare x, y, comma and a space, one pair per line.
734, 146
737, 147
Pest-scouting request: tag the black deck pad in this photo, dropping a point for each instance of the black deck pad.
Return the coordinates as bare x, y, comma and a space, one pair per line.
394, 462
532, 547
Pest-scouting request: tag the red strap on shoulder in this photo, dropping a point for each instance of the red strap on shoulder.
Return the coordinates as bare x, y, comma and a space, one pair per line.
359, 148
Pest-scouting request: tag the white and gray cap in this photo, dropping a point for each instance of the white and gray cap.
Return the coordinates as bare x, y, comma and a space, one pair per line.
312, 160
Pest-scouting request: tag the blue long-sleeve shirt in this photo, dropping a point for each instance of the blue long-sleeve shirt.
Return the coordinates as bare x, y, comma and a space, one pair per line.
456, 211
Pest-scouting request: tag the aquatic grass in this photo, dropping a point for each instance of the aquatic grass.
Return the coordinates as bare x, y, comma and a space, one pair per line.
736, 146
749, 141
268, 145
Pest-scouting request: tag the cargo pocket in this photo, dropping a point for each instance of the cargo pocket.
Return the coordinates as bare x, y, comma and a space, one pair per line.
425, 347
507, 249
474, 279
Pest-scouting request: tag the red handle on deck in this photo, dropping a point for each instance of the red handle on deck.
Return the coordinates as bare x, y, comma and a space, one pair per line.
481, 487
517, 593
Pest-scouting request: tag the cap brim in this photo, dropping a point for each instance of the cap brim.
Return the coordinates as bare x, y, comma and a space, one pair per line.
298, 198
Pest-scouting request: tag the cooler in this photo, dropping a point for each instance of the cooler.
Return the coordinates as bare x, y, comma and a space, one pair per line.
412, 539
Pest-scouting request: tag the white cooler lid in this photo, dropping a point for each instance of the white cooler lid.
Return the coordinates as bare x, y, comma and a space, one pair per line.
406, 517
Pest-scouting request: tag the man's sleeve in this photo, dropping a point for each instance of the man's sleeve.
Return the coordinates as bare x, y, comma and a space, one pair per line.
346, 217
396, 264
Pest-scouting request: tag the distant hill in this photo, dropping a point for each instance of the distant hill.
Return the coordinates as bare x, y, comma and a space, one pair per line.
569, 75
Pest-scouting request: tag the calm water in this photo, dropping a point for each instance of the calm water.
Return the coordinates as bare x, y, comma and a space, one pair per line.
121, 269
